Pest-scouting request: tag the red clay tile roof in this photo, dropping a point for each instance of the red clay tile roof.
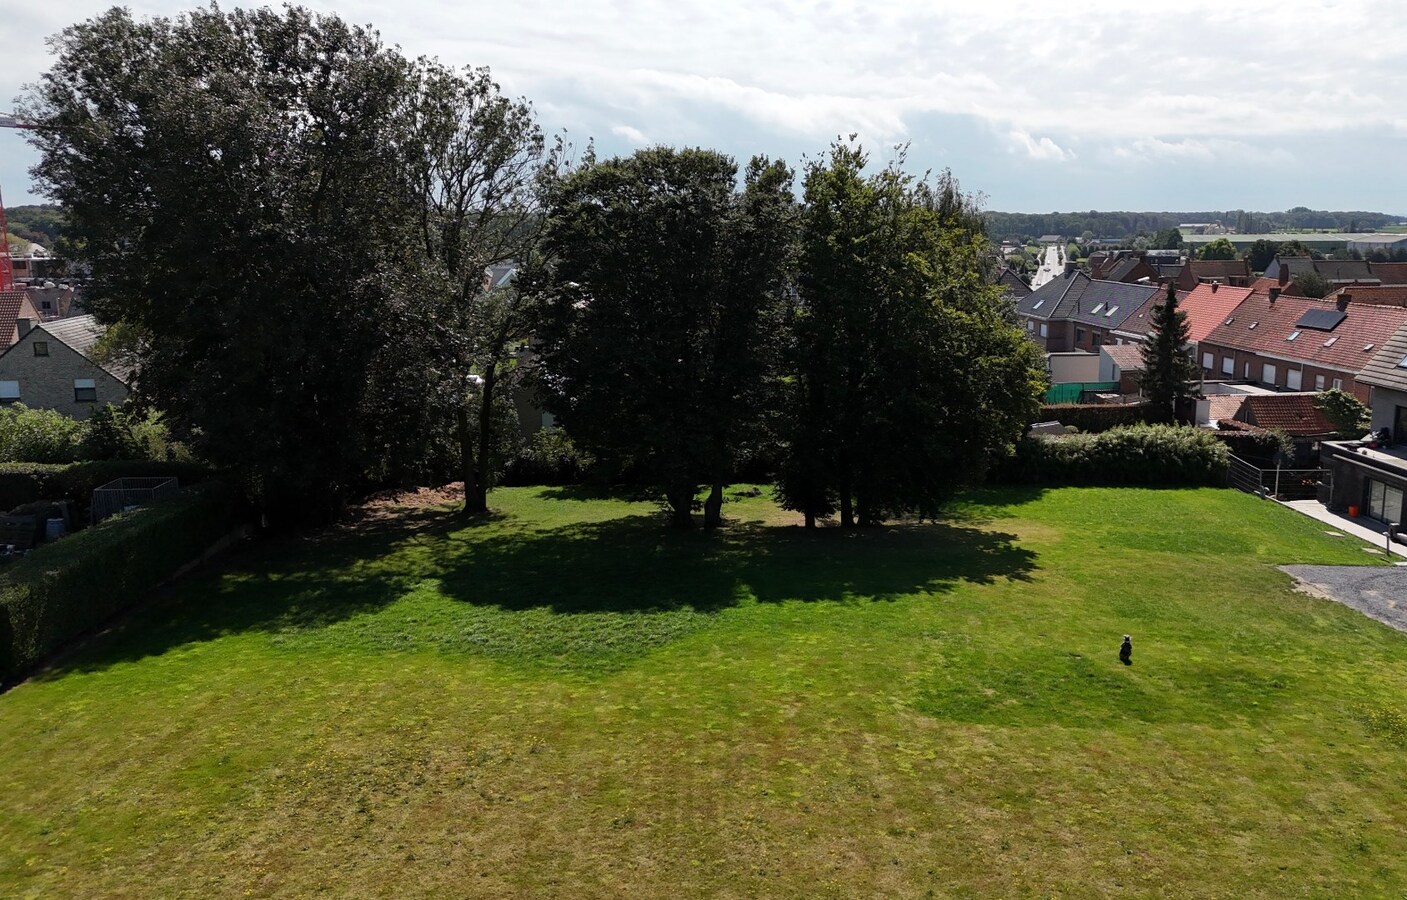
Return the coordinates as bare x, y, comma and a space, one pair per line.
1208, 305
1348, 347
14, 305
1263, 286
1394, 295
1224, 407
1128, 357
1294, 414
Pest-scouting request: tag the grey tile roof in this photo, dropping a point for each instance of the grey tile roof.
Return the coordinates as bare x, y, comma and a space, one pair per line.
79, 332
1385, 369
1053, 299
1108, 304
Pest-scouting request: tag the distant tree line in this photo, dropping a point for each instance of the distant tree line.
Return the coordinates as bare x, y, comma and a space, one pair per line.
304, 239
37, 224
1019, 227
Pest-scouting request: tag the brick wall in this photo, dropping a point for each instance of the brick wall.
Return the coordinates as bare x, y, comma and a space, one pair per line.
1309, 373
46, 382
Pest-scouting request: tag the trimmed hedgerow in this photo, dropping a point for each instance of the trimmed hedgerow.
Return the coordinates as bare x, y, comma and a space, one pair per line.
1132, 455
1095, 417
68, 587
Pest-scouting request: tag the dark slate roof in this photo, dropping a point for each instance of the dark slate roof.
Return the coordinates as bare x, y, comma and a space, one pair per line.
1108, 304
1385, 368
1047, 301
1219, 268
1346, 270
1121, 269
79, 332
1297, 265
1014, 284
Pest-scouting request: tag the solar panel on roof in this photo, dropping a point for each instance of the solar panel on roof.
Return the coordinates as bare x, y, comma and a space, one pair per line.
1321, 319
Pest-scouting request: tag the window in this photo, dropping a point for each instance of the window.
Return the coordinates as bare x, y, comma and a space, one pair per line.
1228, 366
1097, 308
1096, 339
1367, 347
41, 348
1044, 331
1246, 372
1293, 379
1208, 360
1319, 382
1338, 384
1267, 373
85, 390
1332, 341
1402, 363
46, 304
1252, 326
9, 391
1293, 335
548, 420
1079, 336
1110, 311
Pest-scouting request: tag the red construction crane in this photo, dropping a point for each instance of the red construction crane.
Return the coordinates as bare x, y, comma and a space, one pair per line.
7, 268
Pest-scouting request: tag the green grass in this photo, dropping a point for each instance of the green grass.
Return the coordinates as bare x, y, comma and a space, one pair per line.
571, 700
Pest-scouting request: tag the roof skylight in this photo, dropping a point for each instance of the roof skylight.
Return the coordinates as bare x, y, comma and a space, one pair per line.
1332, 341
1293, 335
1097, 308
1111, 311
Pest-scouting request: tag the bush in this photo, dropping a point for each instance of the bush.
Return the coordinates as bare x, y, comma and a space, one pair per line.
66, 588
121, 432
1131, 455
1095, 417
548, 457
39, 435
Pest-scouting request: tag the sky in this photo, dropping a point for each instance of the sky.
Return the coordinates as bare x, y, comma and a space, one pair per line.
1038, 106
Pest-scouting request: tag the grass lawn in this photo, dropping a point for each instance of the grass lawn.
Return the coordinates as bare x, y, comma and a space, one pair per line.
571, 700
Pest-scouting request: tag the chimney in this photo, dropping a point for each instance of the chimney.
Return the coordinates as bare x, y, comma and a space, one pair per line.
1215, 285
1284, 274
23, 325
1344, 299
1070, 268
1274, 295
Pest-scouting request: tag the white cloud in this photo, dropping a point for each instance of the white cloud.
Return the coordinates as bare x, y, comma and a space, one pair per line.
1042, 149
1216, 81
633, 135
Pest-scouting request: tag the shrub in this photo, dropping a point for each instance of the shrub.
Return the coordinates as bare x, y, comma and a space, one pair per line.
39, 435
548, 457
122, 432
1132, 455
66, 588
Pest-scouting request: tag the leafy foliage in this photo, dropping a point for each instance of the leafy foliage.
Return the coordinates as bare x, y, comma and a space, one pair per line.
1128, 455
1261, 254
1312, 284
1350, 417
68, 587
660, 304
909, 372
220, 169
1221, 248
549, 457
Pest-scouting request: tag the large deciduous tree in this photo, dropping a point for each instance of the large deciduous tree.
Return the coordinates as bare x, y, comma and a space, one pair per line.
662, 303
909, 371
473, 161
232, 180
1170, 373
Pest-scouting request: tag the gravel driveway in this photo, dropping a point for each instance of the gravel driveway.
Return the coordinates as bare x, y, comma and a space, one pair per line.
1377, 592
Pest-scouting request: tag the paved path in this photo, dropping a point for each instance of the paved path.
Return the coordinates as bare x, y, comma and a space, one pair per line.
1049, 268
1379, 592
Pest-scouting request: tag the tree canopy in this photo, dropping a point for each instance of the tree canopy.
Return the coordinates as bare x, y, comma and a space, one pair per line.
661, 301
1220, 248
1170, 374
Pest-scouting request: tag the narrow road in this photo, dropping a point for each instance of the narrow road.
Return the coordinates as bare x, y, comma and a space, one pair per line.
1049, 268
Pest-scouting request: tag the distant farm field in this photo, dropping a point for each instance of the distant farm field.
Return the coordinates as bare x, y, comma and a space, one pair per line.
571, 700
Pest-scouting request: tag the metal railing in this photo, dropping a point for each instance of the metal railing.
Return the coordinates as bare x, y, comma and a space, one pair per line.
1282, 484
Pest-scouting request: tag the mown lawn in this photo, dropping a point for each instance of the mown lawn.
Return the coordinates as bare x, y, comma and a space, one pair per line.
571, 700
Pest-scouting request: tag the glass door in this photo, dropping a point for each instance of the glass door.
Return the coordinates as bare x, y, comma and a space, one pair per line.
1384, 502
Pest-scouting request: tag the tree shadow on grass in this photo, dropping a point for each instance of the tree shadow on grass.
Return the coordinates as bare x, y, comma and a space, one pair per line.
629, 565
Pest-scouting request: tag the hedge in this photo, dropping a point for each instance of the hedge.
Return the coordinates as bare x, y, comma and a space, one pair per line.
70, 586
1133, 455
1096, 417
27, 482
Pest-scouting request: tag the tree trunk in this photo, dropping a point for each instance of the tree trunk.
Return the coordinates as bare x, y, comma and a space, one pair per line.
864, 512
466, 456
847, 507
681, 503
810, 514
479, 501
713, 506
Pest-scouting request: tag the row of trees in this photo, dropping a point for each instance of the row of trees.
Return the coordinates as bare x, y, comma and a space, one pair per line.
293, 228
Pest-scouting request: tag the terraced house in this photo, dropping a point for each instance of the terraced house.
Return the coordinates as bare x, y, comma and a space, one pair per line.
1074, 312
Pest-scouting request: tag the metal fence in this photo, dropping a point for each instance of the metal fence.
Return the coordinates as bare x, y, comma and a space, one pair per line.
1282, 484
129, 493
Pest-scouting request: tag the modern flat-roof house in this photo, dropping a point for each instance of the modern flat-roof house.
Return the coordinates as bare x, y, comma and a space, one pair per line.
1371, 476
